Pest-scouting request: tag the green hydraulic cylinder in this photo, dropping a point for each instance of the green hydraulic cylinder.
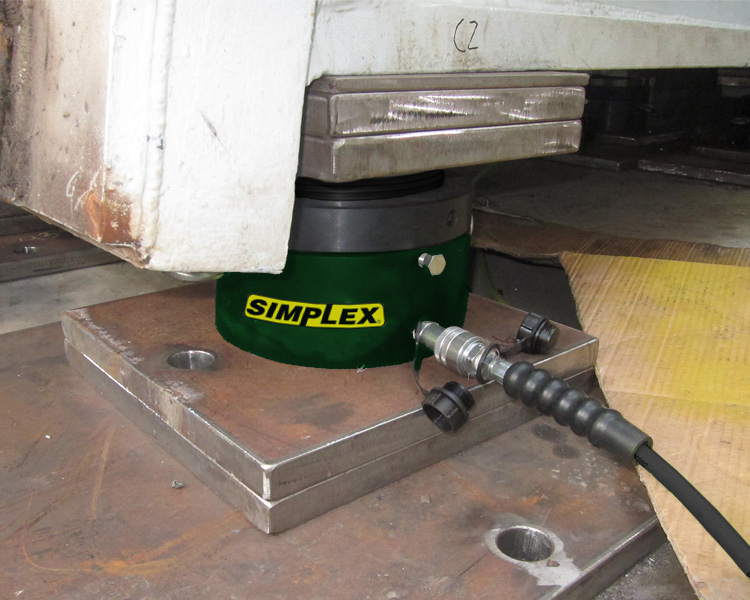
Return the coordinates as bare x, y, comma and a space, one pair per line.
367, 262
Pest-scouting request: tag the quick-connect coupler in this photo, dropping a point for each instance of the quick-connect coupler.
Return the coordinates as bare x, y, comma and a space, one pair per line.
472, 356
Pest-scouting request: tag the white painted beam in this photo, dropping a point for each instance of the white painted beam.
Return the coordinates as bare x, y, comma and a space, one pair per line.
168, 132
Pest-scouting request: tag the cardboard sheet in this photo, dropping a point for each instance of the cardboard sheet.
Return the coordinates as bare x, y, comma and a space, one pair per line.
675, 360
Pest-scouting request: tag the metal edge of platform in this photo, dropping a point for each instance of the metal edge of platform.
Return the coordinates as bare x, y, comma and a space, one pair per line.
68, 261
352, 84
616, 561
278, 516
45, 252
340, 114
359, 157
294, 475
228, 487
275, 516
17, 224
722, 174
300, 471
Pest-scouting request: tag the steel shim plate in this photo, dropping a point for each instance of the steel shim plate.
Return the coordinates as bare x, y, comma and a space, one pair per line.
356, 84
389, 112
297, 441
364, 156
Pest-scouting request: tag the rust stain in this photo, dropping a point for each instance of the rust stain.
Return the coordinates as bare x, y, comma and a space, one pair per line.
28, 524
532, 500
36, 565
164, 557
108, 217
151, 562
470, 489
100, 473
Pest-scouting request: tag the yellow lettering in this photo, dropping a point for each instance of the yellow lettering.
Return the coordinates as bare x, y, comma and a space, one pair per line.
305, 314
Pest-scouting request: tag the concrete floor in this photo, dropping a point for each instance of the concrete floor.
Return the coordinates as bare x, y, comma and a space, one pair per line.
39, 300
630, 203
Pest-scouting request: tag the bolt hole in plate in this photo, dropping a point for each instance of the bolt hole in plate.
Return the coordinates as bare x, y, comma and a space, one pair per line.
193, 360
534, 549
525, 543
25, 250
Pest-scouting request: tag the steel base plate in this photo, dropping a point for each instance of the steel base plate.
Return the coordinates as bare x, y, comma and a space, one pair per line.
284, 443
90, 511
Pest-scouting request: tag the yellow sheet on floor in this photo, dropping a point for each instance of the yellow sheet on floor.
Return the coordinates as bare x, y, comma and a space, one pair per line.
674, 358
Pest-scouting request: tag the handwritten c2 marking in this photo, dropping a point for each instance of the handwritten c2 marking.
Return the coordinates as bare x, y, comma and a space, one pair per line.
471, 37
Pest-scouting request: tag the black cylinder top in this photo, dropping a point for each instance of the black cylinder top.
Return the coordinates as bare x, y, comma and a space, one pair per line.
377, 188
381, 215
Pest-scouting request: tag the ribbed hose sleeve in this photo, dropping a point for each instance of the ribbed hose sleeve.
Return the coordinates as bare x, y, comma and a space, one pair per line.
604, 427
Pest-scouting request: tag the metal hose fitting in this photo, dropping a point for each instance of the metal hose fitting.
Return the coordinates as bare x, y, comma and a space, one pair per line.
470, 355
462, 352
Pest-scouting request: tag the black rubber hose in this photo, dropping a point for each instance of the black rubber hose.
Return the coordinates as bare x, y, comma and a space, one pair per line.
711, 519
604, 427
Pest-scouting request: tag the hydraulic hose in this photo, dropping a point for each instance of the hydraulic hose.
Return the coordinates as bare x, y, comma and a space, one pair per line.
604, 427
471, 356
711, 519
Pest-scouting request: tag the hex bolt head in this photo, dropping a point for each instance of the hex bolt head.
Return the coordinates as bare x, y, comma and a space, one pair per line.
434, 263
